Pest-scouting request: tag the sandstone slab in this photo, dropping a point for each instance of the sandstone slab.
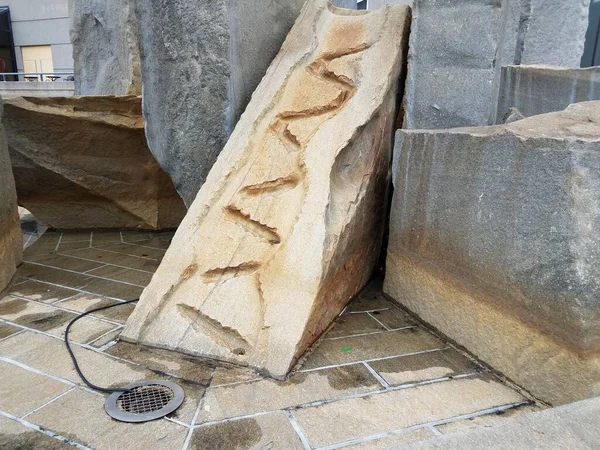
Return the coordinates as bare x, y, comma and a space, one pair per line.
83, 162
11, 241
106, 55
455, 63
201, 61
495, 241
289, 224
537, 90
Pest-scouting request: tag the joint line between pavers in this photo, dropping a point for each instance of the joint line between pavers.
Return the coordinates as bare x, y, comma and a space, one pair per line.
237, 418
145, 246
27, 241
170, 419
106, 263
332, 366
298, 430
105, 334
126, 254
91, 238
95, 268
121, 235
434, 430
236, 382
11, 335
378, 377
58, 243
371, 333
108, 345
81, 273
49, 433
79, 291
193, 426
379, 322
49, 402
369, 311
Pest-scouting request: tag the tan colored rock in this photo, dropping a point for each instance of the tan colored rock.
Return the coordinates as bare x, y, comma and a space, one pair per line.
288, 226
83, 162
11, 242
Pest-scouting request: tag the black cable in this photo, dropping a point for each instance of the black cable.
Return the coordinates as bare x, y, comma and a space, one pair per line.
67, 343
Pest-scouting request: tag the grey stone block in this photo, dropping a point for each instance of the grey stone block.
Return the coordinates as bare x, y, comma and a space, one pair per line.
458, 47
201, 61
495, 240
573, 426
105, 47
542, 89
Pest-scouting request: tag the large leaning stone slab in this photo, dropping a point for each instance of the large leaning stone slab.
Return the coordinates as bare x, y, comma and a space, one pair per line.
201, 61
537, 90
11, 243
288, 226
83, 162
495, 241
106, 53
458, 47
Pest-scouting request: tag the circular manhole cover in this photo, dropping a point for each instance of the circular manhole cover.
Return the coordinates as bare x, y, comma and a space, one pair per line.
144, 401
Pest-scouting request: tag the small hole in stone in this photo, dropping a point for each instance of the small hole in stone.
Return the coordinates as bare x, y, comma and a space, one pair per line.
375, 313
144, 254
239, 351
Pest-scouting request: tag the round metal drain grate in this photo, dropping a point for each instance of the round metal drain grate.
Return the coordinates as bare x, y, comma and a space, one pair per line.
144, 401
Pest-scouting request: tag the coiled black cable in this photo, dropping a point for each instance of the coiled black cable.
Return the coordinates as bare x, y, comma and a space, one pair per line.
70, 350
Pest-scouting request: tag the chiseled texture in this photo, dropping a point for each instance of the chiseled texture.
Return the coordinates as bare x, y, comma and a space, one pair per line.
537, 90
11, 243
83, 162
201, 61
288, 226
106, 53
458, 47
495, 240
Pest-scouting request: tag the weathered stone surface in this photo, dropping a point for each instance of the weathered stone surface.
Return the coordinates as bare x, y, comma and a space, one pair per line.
495, 241
288, 226
11, 243
106, 52
348, 4
455, 64
83, 162
195, 89
537, 90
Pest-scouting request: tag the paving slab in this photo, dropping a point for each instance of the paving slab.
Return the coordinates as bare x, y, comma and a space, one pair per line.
139, 277
117, 259
42, 292
14, 435
394, 440
350, 324
64, 262
8, 330
85, 301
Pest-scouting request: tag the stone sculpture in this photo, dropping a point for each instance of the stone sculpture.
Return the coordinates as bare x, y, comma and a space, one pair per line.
288, 226
105, 47
83, 162
11, 243
201, 61
495, 241
537, 90
458, 47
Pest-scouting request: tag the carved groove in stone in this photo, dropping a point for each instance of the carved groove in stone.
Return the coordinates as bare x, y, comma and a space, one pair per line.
225, 273
253, 226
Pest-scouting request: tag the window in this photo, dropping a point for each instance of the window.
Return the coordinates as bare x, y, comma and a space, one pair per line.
8, 62
591, 54
362, 4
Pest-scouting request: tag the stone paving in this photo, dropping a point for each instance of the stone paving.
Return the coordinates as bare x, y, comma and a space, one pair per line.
377, 379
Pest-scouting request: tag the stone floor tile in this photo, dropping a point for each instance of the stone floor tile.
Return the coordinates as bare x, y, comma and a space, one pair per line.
136, 236
194, 369
394, 440
14, 436
350, 324
423, 367
59, 261
49, 356
373, 346
115, 289
270, 395
160, 242
139, 277
135, 250
65, 246
265, 432
7, 329
75, 236
55, 276
117, 259
21, 391
79, 415
193, 393
393, 410
42, 292
44, 245
393, 318
85, 301
51, 320
369, 302
231, 374
487, 420
106, 238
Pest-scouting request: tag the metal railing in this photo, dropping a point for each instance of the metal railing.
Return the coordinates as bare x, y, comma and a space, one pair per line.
37, 76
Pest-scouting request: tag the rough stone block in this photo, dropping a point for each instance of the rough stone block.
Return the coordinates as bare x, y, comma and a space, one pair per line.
83, 162
537, 90
495, 241
458, 47
196, 88
11, 242
288, 226
106, 52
